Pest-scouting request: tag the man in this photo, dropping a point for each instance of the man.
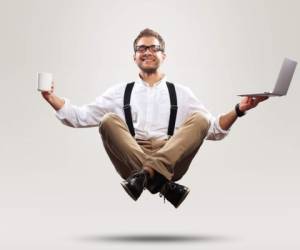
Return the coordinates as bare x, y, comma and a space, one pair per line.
150, 142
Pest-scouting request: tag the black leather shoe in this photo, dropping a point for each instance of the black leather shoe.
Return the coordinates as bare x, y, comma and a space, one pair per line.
174, 193
156, 183
135, 184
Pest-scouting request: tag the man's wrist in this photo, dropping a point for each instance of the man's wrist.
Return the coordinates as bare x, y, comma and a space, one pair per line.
238, 112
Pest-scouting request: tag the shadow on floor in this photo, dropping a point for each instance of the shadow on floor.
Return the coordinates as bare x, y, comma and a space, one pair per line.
155, 238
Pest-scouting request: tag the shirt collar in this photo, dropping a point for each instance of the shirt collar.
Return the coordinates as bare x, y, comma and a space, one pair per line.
157, 84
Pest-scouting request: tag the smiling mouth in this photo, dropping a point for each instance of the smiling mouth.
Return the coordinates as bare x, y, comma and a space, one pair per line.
148, 59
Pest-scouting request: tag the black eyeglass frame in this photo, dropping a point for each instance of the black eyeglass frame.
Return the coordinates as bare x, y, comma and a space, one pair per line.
152, 48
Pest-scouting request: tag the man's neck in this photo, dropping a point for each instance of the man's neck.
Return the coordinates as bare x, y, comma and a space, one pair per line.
151, 78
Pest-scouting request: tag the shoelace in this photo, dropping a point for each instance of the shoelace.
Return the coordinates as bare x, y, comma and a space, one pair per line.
138, 173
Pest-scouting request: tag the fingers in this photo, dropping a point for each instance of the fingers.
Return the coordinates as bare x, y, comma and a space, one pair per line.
46, 93
249, 99
246, 100
250, 102
52, 87
263, 98
259, 99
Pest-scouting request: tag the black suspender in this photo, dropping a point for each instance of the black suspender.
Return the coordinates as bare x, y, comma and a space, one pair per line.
127, 107
173, 108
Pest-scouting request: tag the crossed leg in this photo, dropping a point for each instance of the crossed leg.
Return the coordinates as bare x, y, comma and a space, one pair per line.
172, 158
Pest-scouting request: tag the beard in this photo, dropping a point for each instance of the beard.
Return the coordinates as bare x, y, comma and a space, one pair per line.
149, 70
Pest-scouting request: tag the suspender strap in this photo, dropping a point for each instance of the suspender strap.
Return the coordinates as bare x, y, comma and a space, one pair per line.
127, 107
174, 107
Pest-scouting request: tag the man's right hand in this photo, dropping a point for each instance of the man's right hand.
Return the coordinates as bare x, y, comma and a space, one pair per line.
47, 94
55, 101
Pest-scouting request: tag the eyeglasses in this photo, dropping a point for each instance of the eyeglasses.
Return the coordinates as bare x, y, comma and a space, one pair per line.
152, 48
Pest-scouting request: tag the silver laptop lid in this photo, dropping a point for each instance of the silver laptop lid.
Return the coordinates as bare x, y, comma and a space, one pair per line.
285, 77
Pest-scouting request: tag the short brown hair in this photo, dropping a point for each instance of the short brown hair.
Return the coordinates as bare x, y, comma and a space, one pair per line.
149, 32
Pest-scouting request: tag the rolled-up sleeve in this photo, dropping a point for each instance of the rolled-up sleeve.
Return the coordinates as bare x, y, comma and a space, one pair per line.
215, 131
88, 115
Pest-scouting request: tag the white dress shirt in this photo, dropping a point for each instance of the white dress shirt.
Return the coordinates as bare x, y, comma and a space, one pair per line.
150, 107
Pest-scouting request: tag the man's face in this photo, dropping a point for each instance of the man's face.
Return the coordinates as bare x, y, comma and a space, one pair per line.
148, 59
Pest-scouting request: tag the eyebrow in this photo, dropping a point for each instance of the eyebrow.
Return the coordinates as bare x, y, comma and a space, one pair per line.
148, 45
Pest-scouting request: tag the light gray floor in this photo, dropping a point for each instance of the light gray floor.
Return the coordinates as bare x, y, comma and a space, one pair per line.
83, 207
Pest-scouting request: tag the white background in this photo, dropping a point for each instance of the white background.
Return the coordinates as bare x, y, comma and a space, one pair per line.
58, 189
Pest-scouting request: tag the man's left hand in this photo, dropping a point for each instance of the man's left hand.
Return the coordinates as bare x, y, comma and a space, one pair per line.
250, 102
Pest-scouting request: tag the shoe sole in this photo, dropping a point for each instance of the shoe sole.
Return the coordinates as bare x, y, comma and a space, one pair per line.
183, 198
123, 184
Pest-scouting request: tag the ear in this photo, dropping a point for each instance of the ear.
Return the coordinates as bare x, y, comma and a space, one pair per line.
134, 57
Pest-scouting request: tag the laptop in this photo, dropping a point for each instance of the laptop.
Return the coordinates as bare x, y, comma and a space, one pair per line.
283, 81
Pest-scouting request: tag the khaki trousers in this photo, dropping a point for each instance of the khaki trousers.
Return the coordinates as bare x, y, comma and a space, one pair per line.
171, 157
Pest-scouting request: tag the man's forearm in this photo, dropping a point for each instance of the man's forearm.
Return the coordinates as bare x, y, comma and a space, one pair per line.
245, 104
55, 101
228, 119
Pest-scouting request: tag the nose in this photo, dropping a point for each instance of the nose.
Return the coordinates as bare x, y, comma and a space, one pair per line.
147, 52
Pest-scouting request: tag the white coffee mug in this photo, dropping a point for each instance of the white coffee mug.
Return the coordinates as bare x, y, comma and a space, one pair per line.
44, 81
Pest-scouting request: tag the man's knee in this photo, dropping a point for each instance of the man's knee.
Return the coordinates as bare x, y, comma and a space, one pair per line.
107, 121
201, 120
